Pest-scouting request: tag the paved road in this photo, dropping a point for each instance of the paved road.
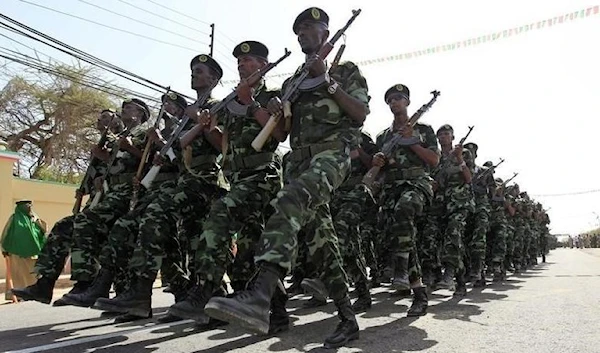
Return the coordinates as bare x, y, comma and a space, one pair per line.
553, 308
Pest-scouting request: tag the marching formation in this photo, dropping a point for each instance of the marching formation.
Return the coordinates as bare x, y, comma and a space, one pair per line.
203, 196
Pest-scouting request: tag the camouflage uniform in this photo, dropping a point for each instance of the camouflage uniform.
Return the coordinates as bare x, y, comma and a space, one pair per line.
497, 234
92, 226
510, 236
198, 186
519, 241
255, 179
347, 208
478, 224
430, 238
406, 191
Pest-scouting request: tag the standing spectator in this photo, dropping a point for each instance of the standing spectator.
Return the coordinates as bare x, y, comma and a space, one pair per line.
22, 239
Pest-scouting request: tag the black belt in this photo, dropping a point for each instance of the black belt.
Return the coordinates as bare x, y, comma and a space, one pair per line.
237, 163
302, 153
404, 174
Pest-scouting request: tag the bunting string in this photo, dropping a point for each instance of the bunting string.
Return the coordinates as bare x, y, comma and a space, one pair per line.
491, 37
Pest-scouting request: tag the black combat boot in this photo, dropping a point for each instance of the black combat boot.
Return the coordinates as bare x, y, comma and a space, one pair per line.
461, 286
447, 281
319, 293
400, 280
99, 289
481, 282
347, 330
250, 308
419, 305
40, 291
137, 301
364, 302
279, 320
428, 277
78, 287
193, 305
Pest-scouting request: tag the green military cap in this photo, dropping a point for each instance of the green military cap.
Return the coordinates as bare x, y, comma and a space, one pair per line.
208, 61
253, 48
313, 14
140, 103
445, 127
499, 181
488, 164
23, 201
471, 146
175, 98
399, 88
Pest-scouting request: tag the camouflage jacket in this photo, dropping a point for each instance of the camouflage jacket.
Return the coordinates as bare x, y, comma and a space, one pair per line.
126, 163
199, 159
404, 166
241, 159
483, 181
317, 118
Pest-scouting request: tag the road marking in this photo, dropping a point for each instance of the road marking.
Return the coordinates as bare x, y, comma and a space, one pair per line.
82, 340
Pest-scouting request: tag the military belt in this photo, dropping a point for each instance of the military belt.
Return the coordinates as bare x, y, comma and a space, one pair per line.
404, 174
201, 160
121, 178
302, 153
166, 176
237, 163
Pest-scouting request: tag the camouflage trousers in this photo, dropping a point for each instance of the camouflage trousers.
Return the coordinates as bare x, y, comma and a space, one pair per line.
534, 245
518, 244
497, 240
459, 204
510, 238
91, 228
304, 267
306, 197
401, 204
370, 236
193, 198
238, 215
526, 243
346, 210
156, 236
53, 256
478, 225
429, 240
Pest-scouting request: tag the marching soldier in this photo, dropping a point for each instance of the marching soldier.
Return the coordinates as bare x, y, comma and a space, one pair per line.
327, 115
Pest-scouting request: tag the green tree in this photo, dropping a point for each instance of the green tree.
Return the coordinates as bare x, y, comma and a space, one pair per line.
49, 118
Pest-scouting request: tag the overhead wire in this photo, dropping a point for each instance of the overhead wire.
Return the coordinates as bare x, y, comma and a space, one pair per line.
142, 22
90, 59
164, 18
110, 27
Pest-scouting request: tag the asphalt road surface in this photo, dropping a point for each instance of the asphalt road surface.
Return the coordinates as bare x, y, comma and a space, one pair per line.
551, 308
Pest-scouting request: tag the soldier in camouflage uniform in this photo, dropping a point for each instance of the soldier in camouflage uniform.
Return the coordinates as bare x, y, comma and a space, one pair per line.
346, 210
53, 256
255, 178
478, 224
453, 181
327, 115
92, 226
535, 234
498, 230
149, 232
510, 229
518, 219
406, 189
515, 243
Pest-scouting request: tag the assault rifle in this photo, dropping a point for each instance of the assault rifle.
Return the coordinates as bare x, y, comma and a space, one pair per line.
94, 162
295, 86
399, 140
251, 81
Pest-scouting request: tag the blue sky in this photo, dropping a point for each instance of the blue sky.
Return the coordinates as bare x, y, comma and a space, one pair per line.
532, 97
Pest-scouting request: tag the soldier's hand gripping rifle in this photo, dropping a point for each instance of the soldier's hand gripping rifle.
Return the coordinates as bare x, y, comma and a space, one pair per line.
509, 180
487, 172
94, 161
147, 149
250, 81
399, 140
294, 87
